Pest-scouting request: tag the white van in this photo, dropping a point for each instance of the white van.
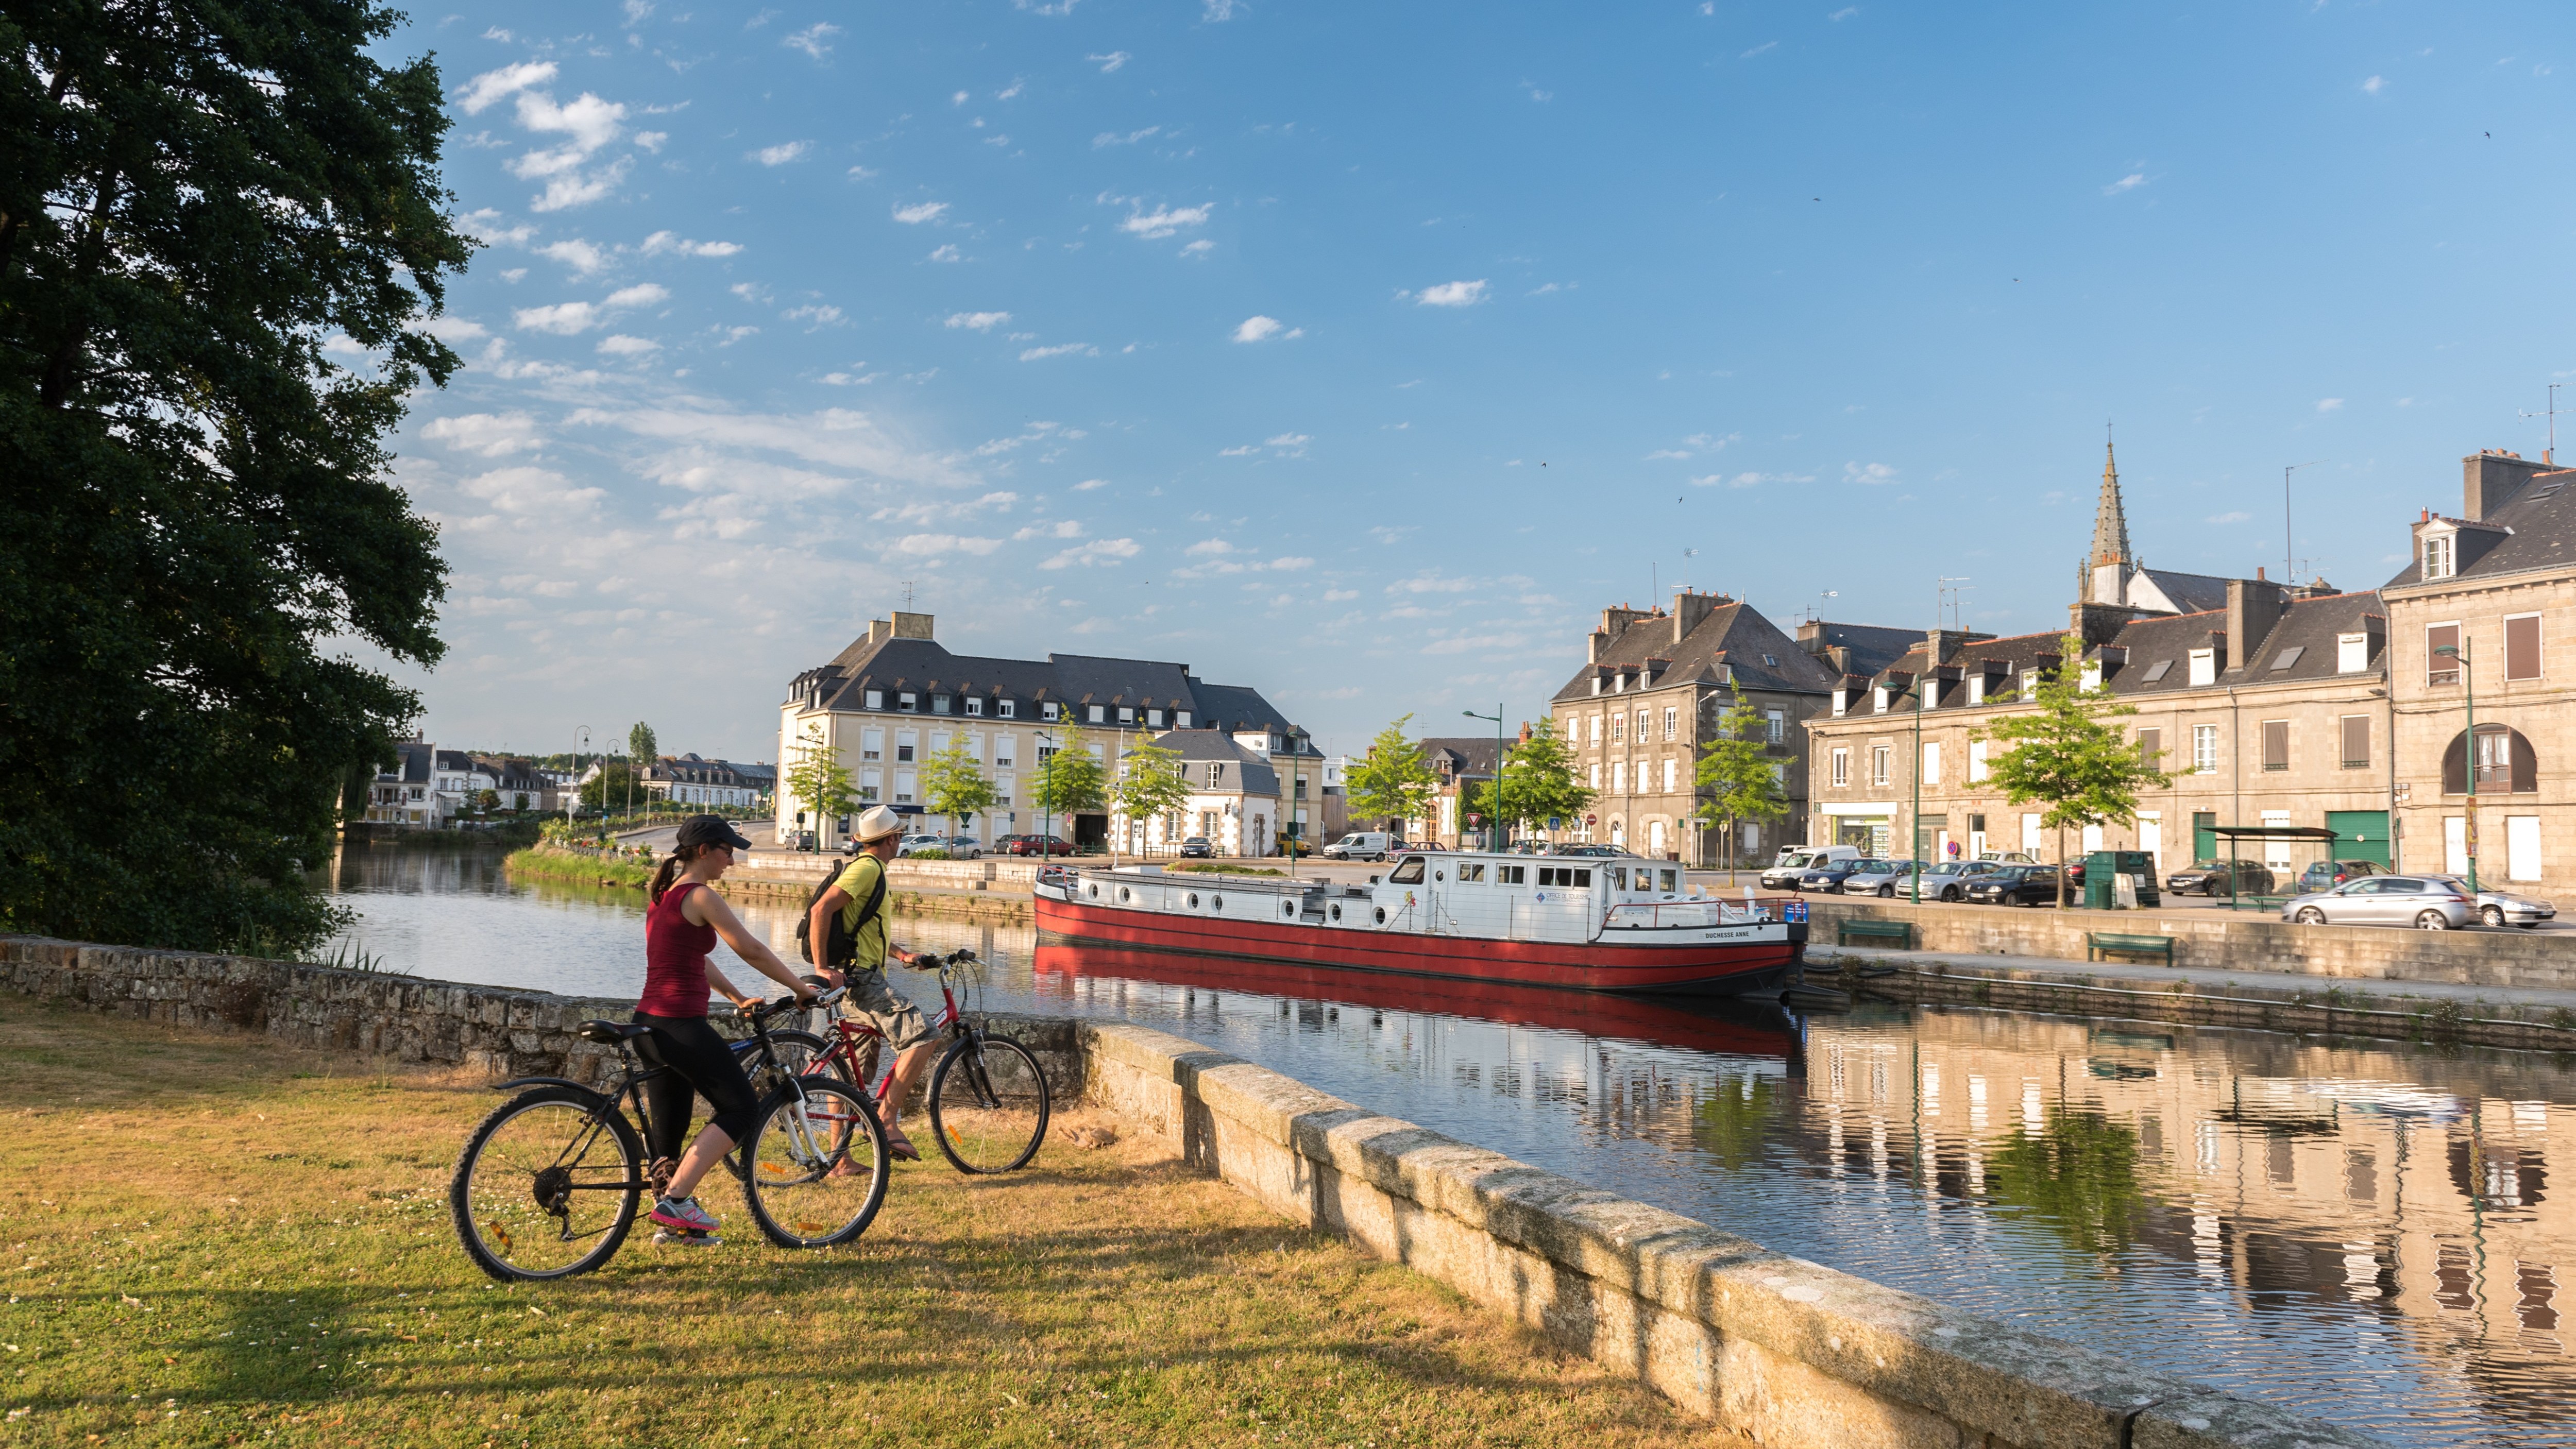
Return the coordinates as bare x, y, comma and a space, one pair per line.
1363, 845
1797, 860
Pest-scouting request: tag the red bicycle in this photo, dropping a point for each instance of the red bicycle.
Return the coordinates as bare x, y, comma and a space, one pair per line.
988, 1096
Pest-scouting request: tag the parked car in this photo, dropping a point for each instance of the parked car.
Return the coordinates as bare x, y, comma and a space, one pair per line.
1533, 847
1364, 845
2504, 908
1797, 860
2008, 857
1040, 845
2210, 878
1293, 849
1828, 878
1604, 852
1949, 881
1196, 847
2325, 875
917, 843
1883, 878
965, 847
2014, 885
2429, 903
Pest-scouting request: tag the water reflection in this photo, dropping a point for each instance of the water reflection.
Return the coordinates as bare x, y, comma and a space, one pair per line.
2365, 1232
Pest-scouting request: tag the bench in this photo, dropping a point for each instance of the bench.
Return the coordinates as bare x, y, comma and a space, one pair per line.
1900, 932
2098, 944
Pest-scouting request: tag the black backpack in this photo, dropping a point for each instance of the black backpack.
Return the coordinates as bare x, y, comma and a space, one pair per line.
843, 943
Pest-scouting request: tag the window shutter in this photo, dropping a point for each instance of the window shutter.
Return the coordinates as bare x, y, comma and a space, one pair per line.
2356, 741
2276, 744
2522, 647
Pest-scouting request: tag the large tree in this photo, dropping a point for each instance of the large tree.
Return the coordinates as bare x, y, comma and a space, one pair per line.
1392, 780
1539, 783
1069, 780
1151, 784
200, 204
2067, 757
818, 780
1737, 778
953, 784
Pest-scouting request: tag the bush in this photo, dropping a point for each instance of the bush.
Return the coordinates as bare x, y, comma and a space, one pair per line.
933, 853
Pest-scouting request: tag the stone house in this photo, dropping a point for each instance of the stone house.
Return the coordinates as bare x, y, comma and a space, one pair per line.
2497, 584
690, 780
1463, 766
1234, 802
400, 793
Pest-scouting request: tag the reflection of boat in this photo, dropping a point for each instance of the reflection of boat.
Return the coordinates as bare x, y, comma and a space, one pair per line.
1737, 1026
1580, 923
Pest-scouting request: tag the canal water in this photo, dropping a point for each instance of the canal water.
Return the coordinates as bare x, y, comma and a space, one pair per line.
2364, 1231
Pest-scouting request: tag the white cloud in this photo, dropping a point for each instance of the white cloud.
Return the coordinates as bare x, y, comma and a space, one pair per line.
1337, 596
1258, 329
588, 124
1088, 484
452, 330
1430, 584
1040, 7
1752, 480
672, 243
1287, 440
1217, 12
485, 226
1846, 13
1163, 221
1290, 563
2373, 86
1452, 294
749, 291
978, 321
1463, 643
1113, 138
494, 435
782, 153
642, 294
621, 345
814, 312
1100, 552
1198, 248
919, 212
946, 253
1061, 349
931, 545
575, 188
814, 40
2329, 404
583, 257
1061, 528
1112, 61
563, 318
1209, 548
1662, 453
1536, 94
1244, 450
2228, 517
533, 492
478, 94
652, 140
2130, 182
1767, 45
1868, 473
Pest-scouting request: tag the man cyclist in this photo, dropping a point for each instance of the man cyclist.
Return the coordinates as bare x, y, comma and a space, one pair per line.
858, 898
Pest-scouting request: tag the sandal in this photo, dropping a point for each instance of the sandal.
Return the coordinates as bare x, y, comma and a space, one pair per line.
899, 1147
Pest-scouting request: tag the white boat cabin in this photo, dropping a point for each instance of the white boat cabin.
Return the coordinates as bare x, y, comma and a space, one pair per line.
1482, 896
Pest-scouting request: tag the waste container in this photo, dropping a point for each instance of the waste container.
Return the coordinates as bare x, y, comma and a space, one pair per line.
2101, 865
2097, 889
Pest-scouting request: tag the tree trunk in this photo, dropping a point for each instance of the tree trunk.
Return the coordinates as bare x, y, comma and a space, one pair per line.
2064, 880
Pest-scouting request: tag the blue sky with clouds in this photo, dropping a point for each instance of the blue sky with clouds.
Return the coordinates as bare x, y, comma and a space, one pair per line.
1360, 353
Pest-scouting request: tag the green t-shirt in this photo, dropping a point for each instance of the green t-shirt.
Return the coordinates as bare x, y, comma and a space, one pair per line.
867, 943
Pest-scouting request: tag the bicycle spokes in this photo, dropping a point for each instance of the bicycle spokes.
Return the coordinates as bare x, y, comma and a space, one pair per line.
817, 1166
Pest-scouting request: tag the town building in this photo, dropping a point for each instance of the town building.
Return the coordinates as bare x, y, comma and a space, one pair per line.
690, 780
896, 696
1463, 765
400, 793
1235, 800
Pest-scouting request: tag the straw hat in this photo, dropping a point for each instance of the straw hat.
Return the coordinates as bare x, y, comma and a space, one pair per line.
877, 824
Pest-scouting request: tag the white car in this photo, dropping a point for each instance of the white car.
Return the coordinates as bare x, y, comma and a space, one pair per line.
1885, 878
965, 847
915, 844
1797, 860
2504, 908
2426, 902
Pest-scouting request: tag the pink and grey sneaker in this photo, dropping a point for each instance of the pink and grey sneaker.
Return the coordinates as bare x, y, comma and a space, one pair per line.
681, 1215
665, 1237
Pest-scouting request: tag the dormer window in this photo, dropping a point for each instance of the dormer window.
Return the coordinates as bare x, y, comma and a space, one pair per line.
1153, 719
876, 699
1976, 689
975, 704
1099, 714
2204, 667
1842, 702
1048, 710
1881, 705
2440, 555
1126, 714
1619, 682
939, 704
907, 702
1181, 719
2093, 675
2352, 653
1596, 684
1006, 708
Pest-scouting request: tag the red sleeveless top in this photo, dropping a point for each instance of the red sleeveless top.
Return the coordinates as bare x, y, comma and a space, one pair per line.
675, 958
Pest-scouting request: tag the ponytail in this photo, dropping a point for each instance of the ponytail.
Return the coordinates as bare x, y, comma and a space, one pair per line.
662, 877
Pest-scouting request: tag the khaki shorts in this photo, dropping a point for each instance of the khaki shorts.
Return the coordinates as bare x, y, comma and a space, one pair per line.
874, 1000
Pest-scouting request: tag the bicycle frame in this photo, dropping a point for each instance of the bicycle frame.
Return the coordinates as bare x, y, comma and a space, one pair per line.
849, 1037
626, 1091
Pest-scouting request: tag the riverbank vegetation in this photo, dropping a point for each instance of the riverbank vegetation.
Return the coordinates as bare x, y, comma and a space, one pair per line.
545, 862
292, 1279
1218, 867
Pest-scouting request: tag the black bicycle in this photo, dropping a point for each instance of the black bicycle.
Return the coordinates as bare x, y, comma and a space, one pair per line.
548, 1184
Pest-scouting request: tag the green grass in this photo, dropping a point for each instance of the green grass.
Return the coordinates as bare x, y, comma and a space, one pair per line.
217, 1240
540, 862
1210, 867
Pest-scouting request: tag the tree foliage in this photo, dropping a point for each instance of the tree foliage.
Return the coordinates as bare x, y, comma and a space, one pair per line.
817, 778
1069, 781
610, 789
953, 783
196, 201
2066, 756
1539, 782
1151, 783
1736, 774
1392, 781
641, 746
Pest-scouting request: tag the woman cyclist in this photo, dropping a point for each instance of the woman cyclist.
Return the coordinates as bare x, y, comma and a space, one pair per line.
680, 930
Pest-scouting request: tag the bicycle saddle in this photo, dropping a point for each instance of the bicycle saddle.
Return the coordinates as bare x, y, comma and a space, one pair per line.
610, 1033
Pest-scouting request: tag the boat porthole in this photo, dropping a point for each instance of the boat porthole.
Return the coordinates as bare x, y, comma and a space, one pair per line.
1287, 908
1337, 913
1122, 895
1194, 900
1095, 890
1381, 915
1440, 875
1216, 903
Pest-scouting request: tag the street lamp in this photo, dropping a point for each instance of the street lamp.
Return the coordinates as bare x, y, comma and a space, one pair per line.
580, 737
2469, 751
1914, 864
1046, 798
1496, 812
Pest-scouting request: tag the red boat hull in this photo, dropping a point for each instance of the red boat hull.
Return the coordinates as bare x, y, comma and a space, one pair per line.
1719, 968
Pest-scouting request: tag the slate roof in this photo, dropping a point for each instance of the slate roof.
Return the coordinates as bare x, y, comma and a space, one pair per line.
1871, 647
2308, 626
1733, 636
1454, 755
456, 760
926, 667
2190, 593
1251, 775
2000, 660
413, 763
2542, 523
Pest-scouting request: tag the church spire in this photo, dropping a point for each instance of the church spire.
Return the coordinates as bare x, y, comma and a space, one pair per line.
2110, 524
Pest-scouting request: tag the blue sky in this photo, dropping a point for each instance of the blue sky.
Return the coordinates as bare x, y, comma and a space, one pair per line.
1361, 354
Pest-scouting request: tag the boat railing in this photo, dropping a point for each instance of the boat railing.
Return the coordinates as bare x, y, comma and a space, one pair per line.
1680, 915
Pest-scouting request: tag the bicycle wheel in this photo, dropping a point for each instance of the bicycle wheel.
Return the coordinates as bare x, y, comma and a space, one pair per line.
547, 1186
818, 1165
799, 1052
988, 1105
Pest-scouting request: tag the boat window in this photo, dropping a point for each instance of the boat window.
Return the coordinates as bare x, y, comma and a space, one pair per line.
1561, 875
1582, 878
1671, 879
1511, 875
1409, 873
1470, 870
1619, 877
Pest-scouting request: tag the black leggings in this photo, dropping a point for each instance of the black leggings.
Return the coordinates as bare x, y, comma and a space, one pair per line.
702, 1064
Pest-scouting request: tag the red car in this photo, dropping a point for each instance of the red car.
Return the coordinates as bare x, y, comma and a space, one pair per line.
1038, 845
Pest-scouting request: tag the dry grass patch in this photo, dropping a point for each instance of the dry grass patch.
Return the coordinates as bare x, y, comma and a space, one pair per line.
215, 1240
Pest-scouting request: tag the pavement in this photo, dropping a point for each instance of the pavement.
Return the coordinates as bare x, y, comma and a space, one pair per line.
2129, 975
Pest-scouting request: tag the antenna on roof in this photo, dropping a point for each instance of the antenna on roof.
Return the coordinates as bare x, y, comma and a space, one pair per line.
1945, 593
2552, 415
907, 596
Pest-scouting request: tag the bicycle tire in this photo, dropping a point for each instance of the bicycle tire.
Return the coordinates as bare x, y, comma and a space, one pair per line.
999, 1125
485, 1197
787, 1181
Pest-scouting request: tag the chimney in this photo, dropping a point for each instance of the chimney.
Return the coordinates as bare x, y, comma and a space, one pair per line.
2490, 480
1593, 646
879, 631
2253, 606
1811, 636
911, 626
1688, 610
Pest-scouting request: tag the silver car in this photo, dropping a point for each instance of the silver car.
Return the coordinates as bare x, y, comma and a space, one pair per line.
2504, 908
1883, 878
2428, 903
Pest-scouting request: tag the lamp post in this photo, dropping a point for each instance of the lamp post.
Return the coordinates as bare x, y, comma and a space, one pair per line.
1914, 862
2469, 750
580, 737
1496, 812
1046, 799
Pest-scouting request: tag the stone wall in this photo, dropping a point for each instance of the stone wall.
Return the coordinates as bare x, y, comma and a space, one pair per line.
2248, 941
1781, 1350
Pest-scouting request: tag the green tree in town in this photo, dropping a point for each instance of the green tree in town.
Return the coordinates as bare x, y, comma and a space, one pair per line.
1738, 779
645, 752
1069, 781
2067, 757
1392, 781
1151, 783
488, 801
611, 786
818, 779
953, 784
1539, 783
199, 202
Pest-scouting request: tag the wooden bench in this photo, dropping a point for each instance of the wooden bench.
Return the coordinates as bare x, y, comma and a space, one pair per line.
2098, 944
1900, 932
